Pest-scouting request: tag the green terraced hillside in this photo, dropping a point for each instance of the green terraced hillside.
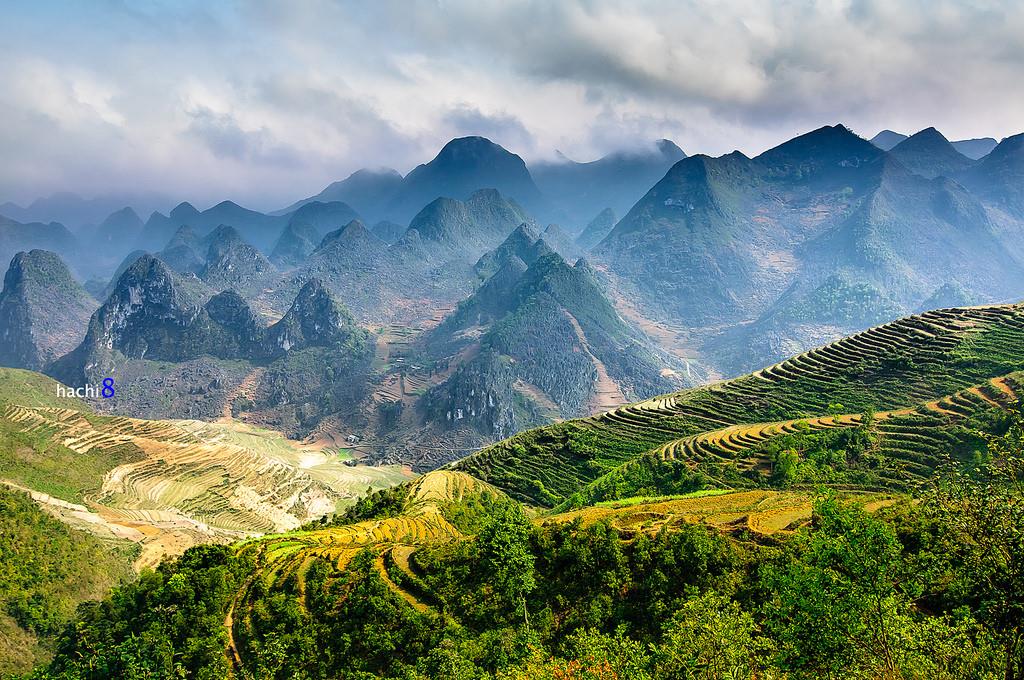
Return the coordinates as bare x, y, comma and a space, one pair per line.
902, 365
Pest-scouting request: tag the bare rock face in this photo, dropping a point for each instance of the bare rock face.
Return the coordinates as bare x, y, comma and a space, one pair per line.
43, 311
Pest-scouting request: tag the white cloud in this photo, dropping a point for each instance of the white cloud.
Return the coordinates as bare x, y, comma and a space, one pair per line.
266, 101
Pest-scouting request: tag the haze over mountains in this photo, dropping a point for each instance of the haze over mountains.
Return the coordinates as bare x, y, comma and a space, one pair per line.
552, 336
466, 272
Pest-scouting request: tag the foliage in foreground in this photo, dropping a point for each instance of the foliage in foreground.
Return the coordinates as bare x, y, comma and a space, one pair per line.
929, 589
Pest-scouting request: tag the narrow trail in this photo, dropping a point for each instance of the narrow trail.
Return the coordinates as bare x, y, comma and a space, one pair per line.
607, 393
246, 388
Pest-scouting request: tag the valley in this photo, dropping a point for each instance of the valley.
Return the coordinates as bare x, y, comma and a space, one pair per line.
450, 420
169, 485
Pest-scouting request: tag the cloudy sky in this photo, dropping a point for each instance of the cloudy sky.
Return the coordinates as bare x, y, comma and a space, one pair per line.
264, 102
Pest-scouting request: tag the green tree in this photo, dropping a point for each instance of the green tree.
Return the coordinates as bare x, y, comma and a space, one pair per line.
980, 517
837, 609
711, 638
504, 544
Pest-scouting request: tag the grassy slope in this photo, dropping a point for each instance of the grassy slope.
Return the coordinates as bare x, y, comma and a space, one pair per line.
35, 459
46, 569
899, 365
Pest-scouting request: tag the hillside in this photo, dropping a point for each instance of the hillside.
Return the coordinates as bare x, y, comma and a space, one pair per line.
673, 512
165, 485
761, 258
907, 364
36, 285
46, 570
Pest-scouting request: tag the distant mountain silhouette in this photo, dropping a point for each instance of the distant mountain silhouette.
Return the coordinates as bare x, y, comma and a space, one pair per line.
368, 191
887, 139
17, 236
617, 181
306, 226
975, 149
929, 154
260, 229
464, 166
595, 231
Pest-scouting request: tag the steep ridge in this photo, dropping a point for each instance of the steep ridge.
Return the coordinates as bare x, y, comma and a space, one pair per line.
775, 254
316, 355
548, 326
597, 228
915, 360
999, 177
463, 166
232, 263
929, 154
429, 266
116, 232
43, 311
255, 227
306, 227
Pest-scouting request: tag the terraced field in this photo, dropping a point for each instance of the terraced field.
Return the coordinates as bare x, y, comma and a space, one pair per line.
761, 513
285, 559
280, 558
892, 368
172, 484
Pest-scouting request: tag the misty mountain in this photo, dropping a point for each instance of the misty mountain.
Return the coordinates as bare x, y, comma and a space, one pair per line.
797, 239
185, 253
468, 227
523, 245
561, 242
154, 314
999, 177
545, 339
120, 227
43, 311
257, 228
430, 264
368, 191
929, 154
975, 149
887, 139
76, 212
617, 181
233, 263
597, 229
16, 236
306, 227
462, 167
387, 231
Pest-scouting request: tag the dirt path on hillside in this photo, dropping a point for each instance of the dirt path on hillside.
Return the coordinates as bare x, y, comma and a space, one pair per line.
246, 388
607, 393
672, 339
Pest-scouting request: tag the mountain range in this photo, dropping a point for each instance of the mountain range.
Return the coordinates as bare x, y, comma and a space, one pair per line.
718, 266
